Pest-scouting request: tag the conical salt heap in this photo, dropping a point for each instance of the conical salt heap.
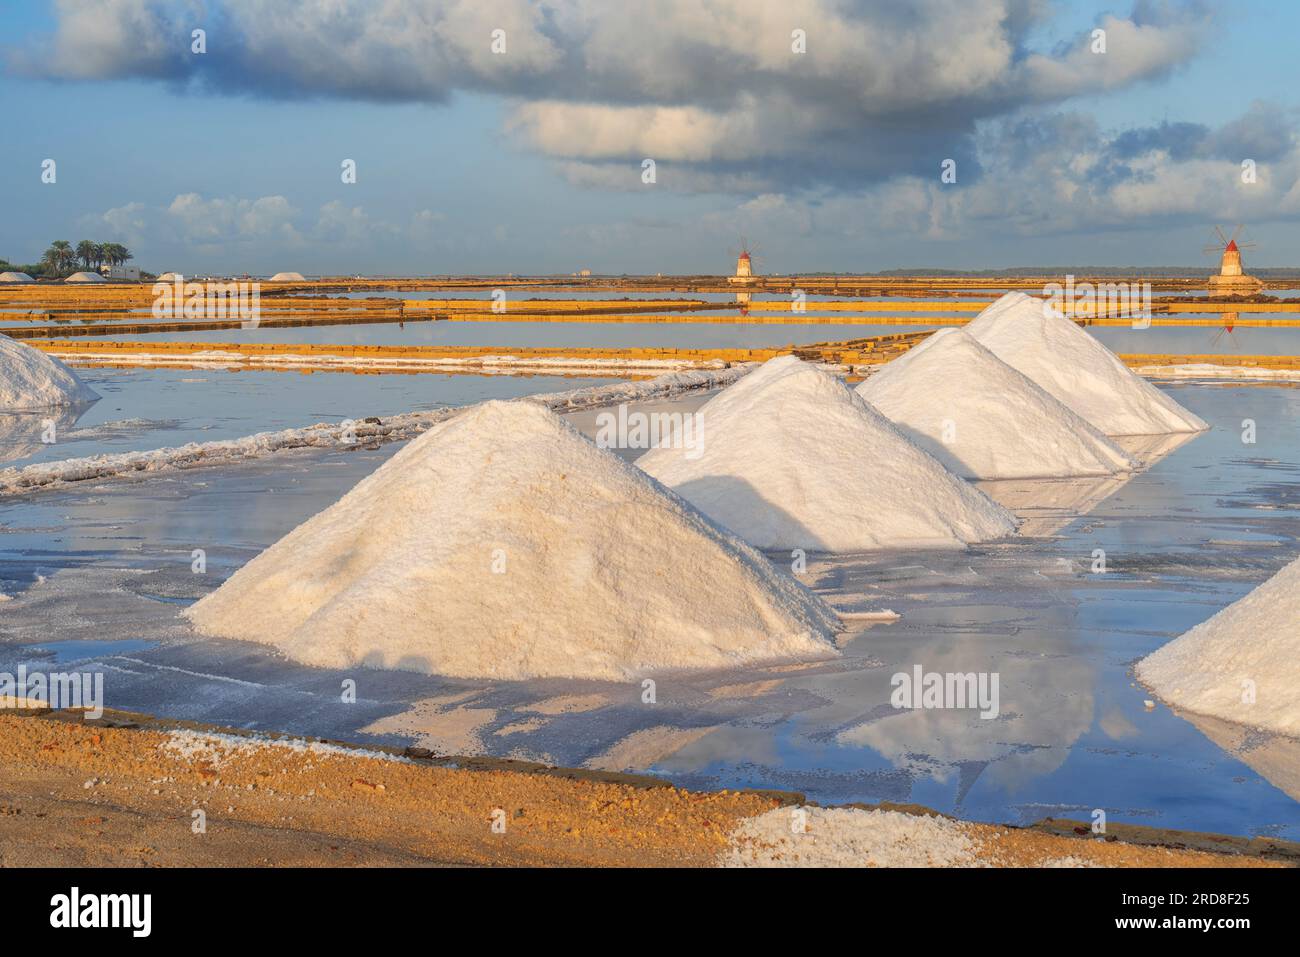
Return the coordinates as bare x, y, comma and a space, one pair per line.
794, 458
503, 544
30, 380
983, 419
1242, 665
1033, 337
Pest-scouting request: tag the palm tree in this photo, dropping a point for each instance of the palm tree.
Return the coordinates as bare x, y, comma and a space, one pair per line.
116, 254
86, 251
59, 256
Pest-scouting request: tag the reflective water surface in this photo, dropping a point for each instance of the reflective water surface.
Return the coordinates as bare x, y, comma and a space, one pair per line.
1209, 520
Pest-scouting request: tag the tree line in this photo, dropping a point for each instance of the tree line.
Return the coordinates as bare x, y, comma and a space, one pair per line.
62, 258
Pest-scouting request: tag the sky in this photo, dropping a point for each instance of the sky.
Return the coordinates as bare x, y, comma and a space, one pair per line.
530, 159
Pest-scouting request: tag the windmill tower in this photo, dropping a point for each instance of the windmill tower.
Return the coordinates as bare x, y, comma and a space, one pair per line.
1232, 279
744, 266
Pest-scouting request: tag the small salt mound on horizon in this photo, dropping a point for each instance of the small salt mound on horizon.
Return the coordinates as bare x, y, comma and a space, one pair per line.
503, 544
983, 419
287, 277
1033, 337
792, 457
1253, 645
30, 380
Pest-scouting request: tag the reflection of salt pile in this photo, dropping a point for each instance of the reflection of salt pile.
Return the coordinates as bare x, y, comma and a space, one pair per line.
1243, 664
503, 544
983, 419
25, 433
1031, 336
31, 380
794, 458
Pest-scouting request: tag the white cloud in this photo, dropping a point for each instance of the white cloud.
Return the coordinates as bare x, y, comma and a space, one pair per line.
883, 89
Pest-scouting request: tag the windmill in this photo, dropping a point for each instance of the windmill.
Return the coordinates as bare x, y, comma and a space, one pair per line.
746, 262
746, 259
1232, 279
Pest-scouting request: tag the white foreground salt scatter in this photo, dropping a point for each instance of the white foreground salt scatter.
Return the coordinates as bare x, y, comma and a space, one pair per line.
1242, 665
849, 837
791, 457
30, 380
1032, 336
504, 544
983, 419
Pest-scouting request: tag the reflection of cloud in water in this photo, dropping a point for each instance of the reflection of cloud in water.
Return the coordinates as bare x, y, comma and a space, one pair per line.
1049, 505
21, 432
1045, 701
1274, 757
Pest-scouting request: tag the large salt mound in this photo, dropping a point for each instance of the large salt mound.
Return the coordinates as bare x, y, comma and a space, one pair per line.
1031, 336
791, 457
21, 277
90, 277
1255, 639
31, 380
983, 419
602, 574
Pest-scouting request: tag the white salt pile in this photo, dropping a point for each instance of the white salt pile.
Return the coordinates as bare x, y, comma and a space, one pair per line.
1242, 665
30, 380
791, 457
503, 544
1035, 338
85, 277
21, 277
983, 419
287, 277
849, 837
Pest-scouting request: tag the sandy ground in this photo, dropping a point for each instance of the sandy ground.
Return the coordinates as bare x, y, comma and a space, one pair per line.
124, 791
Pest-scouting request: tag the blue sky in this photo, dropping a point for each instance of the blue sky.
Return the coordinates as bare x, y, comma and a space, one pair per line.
485, 174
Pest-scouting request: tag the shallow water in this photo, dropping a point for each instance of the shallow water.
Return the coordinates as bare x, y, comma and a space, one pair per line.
143, 409
1198, 340
1199, 529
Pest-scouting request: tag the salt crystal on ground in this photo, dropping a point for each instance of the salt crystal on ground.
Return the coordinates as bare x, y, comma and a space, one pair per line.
1242, 665
1072, 365
30, 380
983, 419
793, 458
849, 837
503, 544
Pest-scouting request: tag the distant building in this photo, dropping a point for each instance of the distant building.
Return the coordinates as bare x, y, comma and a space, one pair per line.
120, 272
744, 269
1232, 279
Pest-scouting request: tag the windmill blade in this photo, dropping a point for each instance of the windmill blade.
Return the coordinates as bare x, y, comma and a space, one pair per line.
1236, 232
1223, 240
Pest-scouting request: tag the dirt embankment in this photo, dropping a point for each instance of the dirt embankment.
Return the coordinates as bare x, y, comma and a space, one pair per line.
124, 792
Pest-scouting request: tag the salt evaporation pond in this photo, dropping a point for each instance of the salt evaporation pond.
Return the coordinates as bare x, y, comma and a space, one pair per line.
151, 408
1203, 527
703, 334
686, 335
